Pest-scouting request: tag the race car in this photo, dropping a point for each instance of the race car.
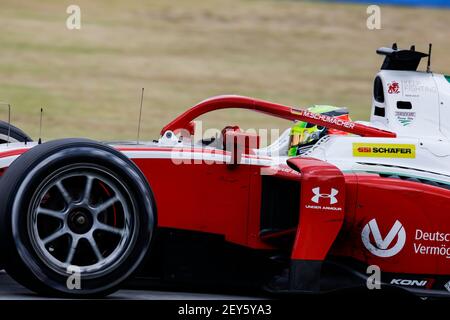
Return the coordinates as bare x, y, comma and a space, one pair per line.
78, 218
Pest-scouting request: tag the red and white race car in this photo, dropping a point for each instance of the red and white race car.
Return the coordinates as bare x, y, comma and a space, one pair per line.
78, 217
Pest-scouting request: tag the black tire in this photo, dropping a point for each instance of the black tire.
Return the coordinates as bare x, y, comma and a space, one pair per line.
26, 256
15, 134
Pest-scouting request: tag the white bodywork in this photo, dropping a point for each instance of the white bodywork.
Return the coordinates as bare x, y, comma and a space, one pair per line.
426, 125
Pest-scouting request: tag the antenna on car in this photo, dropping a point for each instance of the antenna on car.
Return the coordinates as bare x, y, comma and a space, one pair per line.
9, 119
40, 126
429, 58
9, 123
140, 116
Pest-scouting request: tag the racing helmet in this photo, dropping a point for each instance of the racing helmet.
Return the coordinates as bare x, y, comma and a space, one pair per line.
304, 134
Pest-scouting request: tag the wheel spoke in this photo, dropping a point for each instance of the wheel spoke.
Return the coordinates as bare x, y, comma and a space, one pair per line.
57, 234
107, 228
106, 205
72, 250
88, 189
102, 241
95, 248
51, 213
64, 192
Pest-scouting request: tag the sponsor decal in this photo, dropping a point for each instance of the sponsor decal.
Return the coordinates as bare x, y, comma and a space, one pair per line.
324, 201
405, 117
331, 196
393, 87
447, 286
324, 118
439, 240
384, 150
424, 243
383, 247
427, 283
414, 88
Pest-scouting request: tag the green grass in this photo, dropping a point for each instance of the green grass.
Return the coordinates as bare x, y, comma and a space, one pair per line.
182, 52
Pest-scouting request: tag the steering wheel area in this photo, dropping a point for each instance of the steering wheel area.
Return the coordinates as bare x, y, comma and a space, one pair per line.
219, 140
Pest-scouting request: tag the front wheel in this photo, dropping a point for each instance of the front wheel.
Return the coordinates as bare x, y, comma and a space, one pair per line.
77, 218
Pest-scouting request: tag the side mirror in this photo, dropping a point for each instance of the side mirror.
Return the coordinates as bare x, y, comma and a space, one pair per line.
238, 143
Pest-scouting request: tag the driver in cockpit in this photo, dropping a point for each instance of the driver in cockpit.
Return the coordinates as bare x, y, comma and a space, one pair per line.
304, 134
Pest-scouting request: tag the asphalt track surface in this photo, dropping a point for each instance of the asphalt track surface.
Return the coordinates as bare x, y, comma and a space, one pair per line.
11, 290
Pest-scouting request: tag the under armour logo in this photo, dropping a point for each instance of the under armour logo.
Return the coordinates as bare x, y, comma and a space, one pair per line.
318, 195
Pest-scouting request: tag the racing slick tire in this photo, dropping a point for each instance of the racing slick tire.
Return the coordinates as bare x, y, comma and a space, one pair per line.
15, 134
76, 218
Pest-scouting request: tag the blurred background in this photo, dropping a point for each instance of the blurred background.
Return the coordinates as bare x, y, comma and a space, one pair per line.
290, 52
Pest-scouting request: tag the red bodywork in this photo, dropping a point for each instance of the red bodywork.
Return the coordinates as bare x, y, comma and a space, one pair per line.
215, 199
334, 207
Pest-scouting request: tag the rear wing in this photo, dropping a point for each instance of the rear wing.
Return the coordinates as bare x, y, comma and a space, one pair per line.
184, 121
